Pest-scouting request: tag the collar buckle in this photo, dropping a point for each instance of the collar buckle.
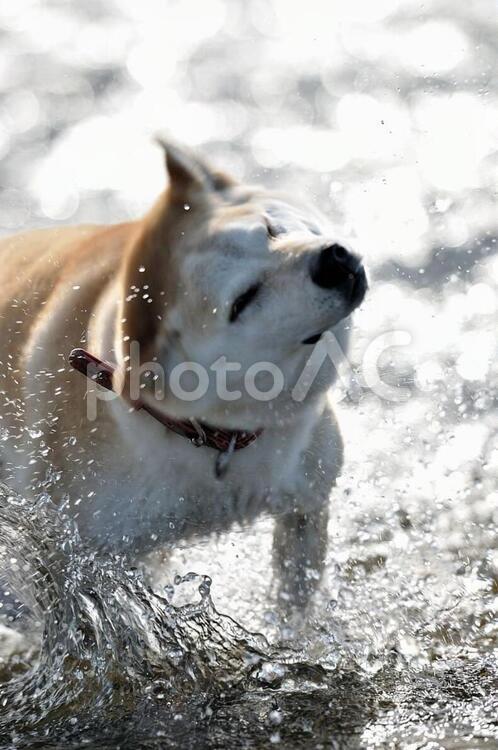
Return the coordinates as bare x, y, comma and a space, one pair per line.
200, 438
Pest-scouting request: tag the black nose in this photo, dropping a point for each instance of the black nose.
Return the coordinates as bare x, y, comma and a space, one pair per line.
334, 266
338, 268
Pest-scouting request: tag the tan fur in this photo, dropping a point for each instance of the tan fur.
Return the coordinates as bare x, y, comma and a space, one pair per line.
51, 282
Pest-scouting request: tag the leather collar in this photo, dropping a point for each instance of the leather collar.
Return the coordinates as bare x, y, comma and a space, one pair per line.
198, 433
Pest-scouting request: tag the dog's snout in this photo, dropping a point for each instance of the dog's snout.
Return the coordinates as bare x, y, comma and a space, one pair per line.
336, 267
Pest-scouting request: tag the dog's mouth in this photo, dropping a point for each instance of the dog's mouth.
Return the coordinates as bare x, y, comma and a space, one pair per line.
313, 339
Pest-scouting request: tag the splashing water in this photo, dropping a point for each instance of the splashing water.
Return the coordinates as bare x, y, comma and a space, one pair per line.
106, 641
107, 662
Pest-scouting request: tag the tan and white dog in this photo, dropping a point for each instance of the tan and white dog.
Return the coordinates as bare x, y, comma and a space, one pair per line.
215, 273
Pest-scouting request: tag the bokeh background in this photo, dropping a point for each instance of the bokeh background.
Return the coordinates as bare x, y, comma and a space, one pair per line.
385, 113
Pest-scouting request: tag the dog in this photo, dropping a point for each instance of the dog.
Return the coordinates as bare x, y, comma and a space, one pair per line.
219, 278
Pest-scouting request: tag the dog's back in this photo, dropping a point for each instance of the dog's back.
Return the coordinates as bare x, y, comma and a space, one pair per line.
50, 279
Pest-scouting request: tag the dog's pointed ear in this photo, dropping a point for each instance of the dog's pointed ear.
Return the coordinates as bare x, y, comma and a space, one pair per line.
186, 178
190, 175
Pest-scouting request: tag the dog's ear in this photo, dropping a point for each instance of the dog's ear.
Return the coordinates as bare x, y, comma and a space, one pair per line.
147, 264
190, 175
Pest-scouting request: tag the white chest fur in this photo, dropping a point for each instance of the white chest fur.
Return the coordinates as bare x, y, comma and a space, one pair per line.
155, 486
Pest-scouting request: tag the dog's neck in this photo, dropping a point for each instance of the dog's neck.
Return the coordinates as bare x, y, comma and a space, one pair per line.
102, 342
92, 364
101, 337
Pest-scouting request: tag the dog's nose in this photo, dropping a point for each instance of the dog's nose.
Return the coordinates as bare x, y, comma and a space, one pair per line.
334, 266
338, 268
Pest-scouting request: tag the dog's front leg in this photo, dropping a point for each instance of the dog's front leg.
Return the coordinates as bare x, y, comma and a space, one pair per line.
300, 536
299, 550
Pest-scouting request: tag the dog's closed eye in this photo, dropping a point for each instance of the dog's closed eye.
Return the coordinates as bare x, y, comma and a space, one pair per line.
273, 230
242, 301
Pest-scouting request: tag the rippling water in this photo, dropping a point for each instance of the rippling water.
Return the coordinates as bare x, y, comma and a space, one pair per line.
385, 113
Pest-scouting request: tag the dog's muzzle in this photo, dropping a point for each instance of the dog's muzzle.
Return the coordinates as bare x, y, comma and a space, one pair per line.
338, 268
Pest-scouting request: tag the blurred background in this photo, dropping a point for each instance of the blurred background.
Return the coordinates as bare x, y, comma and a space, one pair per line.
383, 112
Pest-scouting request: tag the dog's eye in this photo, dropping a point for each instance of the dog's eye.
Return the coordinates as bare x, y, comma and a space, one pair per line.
242, 301
272, 230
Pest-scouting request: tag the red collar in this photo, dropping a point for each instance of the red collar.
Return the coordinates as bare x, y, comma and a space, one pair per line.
199, 433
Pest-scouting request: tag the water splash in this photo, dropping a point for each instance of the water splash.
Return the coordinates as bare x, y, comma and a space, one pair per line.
102, 660
104, 636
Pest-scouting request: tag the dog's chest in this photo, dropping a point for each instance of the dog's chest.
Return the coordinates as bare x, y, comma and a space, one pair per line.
158, 488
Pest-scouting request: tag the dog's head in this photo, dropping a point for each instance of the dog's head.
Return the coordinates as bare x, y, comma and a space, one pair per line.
226, 288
